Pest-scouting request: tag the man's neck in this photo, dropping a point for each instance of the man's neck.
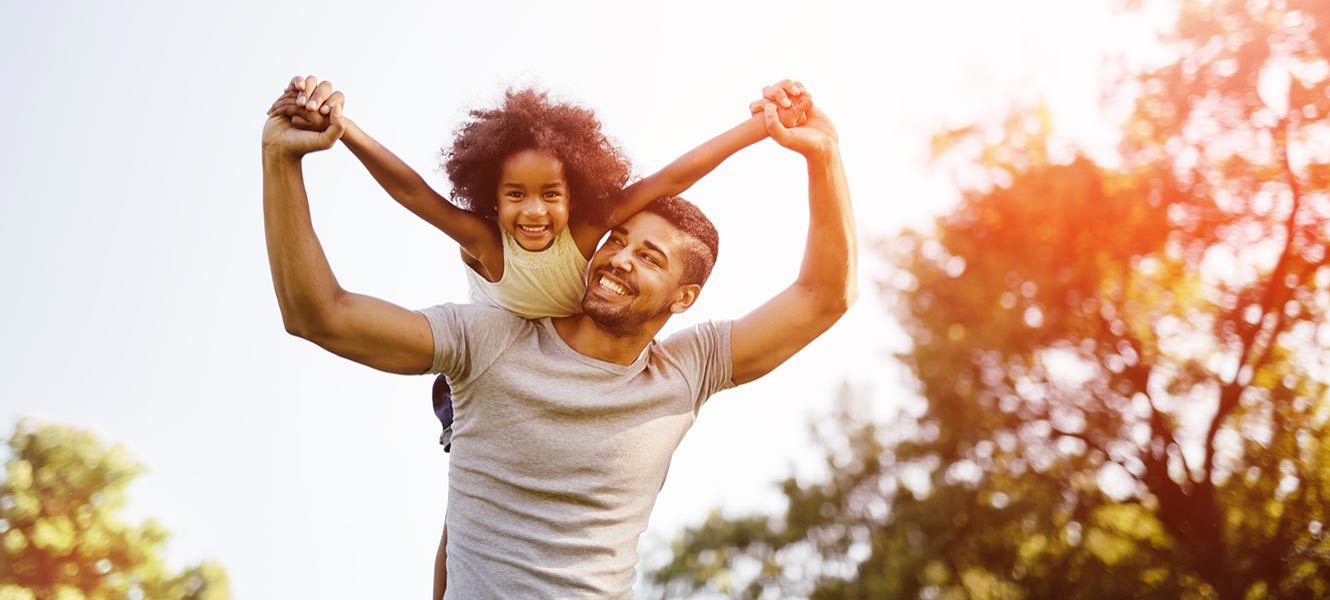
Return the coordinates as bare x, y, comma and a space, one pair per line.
588, 338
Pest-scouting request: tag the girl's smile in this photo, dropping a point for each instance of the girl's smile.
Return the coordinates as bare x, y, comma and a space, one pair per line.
533, 199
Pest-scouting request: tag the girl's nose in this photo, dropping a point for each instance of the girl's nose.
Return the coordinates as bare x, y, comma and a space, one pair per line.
534, 208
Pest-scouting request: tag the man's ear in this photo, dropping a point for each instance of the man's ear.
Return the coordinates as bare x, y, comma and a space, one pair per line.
684, 297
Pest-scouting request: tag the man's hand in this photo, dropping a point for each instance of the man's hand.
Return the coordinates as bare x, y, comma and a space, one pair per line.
282, 133
817, 134
792, 102
312, 110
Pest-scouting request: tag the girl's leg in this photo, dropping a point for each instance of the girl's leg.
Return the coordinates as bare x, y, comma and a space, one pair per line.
442, 398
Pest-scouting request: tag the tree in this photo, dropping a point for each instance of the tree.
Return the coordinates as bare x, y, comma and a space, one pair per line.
1123, 366
61, 536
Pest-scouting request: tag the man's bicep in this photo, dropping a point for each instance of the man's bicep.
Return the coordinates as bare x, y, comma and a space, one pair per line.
765, 338
379, 334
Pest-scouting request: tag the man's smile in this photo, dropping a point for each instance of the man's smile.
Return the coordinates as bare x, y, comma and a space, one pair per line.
616, 286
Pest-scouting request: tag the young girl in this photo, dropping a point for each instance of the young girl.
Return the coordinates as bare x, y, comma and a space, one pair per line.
536, 184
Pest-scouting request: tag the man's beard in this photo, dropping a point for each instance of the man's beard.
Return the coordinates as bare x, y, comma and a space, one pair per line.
620, 319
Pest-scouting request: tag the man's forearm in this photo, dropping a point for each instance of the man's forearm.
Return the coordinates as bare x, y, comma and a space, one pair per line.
831, 253
302, 278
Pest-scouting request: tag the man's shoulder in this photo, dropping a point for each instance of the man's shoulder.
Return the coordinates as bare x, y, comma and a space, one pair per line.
699, 330
469, 337
703, 337
702, 355
478, 323
471, 312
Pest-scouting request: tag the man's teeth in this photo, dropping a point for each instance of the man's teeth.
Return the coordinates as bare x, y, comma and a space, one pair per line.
613, 287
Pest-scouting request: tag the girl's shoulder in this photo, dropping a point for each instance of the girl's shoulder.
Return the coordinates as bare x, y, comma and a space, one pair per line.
586, 236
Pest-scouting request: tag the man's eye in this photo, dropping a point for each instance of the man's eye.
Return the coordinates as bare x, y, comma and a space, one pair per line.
651, 259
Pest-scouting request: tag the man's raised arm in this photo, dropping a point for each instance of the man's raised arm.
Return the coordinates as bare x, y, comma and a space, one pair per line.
826, 285
364, 329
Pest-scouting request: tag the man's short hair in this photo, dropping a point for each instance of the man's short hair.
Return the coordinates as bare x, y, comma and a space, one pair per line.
699, 257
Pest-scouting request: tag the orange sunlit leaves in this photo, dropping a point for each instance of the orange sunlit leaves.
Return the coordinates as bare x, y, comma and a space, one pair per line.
1125, 361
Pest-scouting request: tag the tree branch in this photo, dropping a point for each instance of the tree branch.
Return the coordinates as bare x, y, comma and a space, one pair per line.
1230, 391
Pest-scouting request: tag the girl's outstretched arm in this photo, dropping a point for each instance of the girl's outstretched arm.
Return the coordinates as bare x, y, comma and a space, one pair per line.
409, 189
695, 164
308, 102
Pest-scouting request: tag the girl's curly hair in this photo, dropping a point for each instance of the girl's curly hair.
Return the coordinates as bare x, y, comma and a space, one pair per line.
596, 169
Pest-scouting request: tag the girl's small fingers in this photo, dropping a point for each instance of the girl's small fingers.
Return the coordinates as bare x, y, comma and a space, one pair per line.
336, 99
284, 101
335, 125
289, 94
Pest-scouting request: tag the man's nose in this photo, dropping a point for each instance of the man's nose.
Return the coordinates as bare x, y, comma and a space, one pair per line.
622, 260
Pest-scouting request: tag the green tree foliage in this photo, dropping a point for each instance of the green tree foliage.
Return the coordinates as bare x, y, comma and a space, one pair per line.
61, 536
1124, 366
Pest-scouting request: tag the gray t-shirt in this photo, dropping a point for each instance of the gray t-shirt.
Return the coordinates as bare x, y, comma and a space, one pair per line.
558, 457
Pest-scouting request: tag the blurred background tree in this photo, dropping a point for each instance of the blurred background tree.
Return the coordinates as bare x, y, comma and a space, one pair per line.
61, 535
1122, 364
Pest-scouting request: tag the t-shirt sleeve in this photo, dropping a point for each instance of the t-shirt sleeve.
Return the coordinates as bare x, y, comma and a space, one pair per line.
468, 338
703, 354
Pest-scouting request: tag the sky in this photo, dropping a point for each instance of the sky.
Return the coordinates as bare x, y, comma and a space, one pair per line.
137, 299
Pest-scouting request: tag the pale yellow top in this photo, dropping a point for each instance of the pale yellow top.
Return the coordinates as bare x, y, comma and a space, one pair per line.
549, 283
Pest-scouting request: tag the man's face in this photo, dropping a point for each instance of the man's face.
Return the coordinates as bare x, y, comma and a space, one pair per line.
634, 278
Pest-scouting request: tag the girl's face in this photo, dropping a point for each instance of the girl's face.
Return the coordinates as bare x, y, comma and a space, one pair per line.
533, 198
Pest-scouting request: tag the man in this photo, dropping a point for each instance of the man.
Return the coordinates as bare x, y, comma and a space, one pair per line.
565, 426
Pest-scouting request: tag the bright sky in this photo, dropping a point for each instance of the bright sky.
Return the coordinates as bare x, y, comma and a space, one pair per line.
138, 301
